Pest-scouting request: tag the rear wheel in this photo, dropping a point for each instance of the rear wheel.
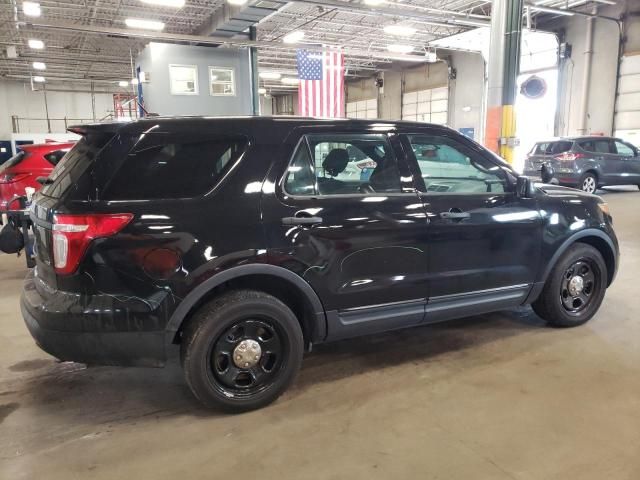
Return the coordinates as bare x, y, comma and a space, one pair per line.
575, 288
241, 351
589, 183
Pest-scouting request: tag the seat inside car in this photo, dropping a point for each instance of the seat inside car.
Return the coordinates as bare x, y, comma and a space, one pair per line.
334, 164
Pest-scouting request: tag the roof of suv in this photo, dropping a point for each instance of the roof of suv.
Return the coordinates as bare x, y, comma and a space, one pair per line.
183, 122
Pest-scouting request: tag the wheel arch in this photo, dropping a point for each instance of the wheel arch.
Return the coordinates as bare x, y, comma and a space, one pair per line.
283, 284
598, 240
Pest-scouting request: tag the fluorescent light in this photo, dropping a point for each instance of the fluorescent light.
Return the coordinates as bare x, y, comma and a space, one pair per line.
262, 91
38, 79
397, 48
399, 30
557, 11
123, 83
374, 3
270, 75
165, 3
31, 9
39, 66
134, 81
144, 24
290, 81
37, 44
237, 2
293, 37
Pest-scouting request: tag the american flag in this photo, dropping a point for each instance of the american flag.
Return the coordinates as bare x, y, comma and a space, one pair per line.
321, 87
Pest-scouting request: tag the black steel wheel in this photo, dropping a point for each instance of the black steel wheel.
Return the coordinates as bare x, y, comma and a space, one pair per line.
241, 350
574, 289
247, 357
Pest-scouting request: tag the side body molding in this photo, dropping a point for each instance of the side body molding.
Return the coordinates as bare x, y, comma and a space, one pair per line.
179, 315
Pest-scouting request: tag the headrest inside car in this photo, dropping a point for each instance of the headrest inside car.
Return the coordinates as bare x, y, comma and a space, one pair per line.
336, 161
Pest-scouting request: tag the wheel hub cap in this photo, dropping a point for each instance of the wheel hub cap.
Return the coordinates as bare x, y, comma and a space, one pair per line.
576, 285
247, 354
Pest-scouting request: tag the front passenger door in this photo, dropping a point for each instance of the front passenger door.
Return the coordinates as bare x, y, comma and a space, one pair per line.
483, 240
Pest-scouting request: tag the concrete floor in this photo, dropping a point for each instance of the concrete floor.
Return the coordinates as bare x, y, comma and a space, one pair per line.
492, 397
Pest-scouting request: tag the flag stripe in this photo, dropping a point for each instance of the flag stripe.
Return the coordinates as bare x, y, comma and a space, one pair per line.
321, 87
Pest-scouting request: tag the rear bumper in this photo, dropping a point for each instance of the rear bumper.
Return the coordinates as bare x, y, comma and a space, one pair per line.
561, 176
91, 339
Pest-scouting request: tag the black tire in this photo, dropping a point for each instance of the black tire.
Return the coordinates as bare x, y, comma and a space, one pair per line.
556, 304
588, 183
211, 341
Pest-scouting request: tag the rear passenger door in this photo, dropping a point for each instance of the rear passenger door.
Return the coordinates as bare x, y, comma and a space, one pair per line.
344, 215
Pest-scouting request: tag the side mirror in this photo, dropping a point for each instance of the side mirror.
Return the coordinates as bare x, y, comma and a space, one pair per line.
524, 187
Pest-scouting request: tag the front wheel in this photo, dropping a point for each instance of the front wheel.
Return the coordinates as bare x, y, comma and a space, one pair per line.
241, 351
574, 289
589, 183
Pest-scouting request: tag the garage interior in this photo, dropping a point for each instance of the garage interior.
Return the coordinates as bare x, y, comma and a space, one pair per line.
495, 396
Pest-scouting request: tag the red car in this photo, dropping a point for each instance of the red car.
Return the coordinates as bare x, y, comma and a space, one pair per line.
23, 170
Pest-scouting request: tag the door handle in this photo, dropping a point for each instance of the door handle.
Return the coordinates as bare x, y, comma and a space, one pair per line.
454, 215
301, 220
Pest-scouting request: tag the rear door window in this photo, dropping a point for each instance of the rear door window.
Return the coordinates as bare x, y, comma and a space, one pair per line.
539, 148
54, 157
163, 166
597, 146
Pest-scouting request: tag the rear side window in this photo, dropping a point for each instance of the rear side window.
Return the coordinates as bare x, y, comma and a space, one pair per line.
54, 157
160, 167
559, 147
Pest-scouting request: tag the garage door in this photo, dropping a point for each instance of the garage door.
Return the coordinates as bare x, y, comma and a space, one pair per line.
363, 109
627, 116
426, 105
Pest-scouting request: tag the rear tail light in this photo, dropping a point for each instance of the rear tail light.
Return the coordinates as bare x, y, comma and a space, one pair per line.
569, 156
72, 235
12, 178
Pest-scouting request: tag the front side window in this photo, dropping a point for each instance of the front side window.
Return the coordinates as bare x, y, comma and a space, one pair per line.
624, 150
343, 164
447, 166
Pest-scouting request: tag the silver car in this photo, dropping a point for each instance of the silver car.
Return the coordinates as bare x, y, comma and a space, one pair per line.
584, 162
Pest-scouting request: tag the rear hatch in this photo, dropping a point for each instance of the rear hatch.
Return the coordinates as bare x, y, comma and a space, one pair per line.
70, 189
545, 153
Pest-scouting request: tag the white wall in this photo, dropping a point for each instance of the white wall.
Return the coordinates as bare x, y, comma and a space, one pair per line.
468, 90
17, 98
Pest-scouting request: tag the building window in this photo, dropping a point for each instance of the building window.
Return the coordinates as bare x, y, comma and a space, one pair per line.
363, 109
428, 106
183, 79
221, 81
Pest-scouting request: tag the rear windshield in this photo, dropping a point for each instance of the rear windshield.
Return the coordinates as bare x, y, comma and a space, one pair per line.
144, 167
13, 161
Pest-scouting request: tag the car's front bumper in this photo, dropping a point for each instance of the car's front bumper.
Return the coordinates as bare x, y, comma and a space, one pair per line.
70, 332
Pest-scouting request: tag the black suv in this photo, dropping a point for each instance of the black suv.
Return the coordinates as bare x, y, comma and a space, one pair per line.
243, 241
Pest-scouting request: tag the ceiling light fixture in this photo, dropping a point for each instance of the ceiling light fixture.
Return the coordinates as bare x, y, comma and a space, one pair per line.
123, 83
398, 48
293, 37
36, 44
270, 75
144, 24
374, 3
237, 2
262, 91
165, 3
31, 9
399, 30
290, 81
134, 81
39, 79
557, 11
39, 66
